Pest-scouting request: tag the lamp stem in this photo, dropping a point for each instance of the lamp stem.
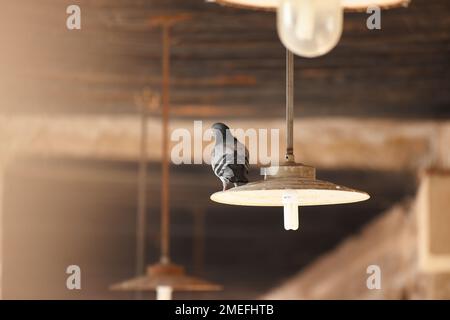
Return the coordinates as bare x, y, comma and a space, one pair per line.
142, 196
289, 106
165, 215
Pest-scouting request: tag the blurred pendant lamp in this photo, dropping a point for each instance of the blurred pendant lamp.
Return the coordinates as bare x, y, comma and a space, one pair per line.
164, 277
291, 184
350, 5
311, 28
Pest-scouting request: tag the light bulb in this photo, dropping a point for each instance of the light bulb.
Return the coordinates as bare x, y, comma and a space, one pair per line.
163, 293
290, 203
310, 28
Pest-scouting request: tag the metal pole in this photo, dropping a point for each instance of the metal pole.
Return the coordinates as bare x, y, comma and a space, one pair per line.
141, 219
199, 239
165, 215
289, 106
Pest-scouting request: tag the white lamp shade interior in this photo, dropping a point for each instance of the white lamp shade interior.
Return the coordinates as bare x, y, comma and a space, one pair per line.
270, 193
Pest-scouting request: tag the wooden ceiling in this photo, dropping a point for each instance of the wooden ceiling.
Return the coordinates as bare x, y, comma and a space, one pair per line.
225, 62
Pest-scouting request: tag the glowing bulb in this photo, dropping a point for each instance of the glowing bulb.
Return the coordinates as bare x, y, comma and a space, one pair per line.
290, 203
163, 293
310, 28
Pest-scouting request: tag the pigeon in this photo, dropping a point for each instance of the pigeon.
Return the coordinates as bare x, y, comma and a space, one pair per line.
229, 158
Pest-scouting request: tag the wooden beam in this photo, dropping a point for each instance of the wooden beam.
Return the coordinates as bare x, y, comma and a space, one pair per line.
321, 142
433, 209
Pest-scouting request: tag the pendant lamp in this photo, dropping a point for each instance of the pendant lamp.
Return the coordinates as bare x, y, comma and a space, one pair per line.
165, 277
311, 28
290, 184
350, 5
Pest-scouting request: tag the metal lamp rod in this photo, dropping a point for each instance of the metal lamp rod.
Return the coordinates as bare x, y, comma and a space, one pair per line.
166, 23
142, 196
165, 214
289, 106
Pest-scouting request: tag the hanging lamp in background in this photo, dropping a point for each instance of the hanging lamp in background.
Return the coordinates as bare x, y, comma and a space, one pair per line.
311, 28
291, 184
165, 277
349, 5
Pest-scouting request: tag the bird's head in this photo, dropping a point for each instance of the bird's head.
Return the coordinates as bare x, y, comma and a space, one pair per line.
220, 126
220, 129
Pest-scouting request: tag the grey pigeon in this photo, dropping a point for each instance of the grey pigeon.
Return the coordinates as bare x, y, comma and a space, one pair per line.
229, 158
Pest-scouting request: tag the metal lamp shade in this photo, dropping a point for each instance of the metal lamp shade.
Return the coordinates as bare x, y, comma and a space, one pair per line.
296, 178
166, 275
350, 5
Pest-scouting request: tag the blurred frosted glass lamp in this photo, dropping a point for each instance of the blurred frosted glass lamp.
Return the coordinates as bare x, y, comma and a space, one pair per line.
348, 5
290, 184
311, 28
